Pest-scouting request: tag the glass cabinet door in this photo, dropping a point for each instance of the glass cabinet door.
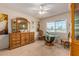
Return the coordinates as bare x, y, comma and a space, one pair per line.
14, 26
74, 43
76, 21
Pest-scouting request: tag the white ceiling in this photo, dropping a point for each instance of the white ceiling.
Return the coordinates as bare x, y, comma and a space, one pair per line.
33, 8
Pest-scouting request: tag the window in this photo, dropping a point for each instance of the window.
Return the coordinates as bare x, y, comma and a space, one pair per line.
51, 27
60, 26
56, 26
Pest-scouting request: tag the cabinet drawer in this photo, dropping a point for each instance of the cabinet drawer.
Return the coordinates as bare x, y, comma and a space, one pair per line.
15, 45
23, 37
18, 42
23, 43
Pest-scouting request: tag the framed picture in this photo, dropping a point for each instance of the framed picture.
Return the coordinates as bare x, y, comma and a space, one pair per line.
3, 24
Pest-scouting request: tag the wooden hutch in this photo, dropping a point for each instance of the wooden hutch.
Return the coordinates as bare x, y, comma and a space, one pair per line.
21, 34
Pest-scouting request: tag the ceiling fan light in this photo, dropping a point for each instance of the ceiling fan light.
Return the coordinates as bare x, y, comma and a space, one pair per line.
42, 12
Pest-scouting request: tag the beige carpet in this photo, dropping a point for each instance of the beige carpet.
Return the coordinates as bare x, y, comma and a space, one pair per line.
38, 48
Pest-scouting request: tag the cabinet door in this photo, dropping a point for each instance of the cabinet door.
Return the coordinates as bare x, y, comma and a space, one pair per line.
14, 40
23, 38
14, 25
27, 38
31, 36
75, 29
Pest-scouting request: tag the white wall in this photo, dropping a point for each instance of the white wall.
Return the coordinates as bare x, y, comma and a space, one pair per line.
64, 16
4, 39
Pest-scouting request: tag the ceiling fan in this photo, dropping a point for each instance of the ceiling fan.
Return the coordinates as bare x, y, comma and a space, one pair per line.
42, 9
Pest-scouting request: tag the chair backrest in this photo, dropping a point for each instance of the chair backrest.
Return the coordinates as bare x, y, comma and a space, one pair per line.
48, 36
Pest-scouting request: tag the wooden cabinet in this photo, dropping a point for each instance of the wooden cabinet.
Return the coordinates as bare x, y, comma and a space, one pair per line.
20, 39
20, 35
74, 29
